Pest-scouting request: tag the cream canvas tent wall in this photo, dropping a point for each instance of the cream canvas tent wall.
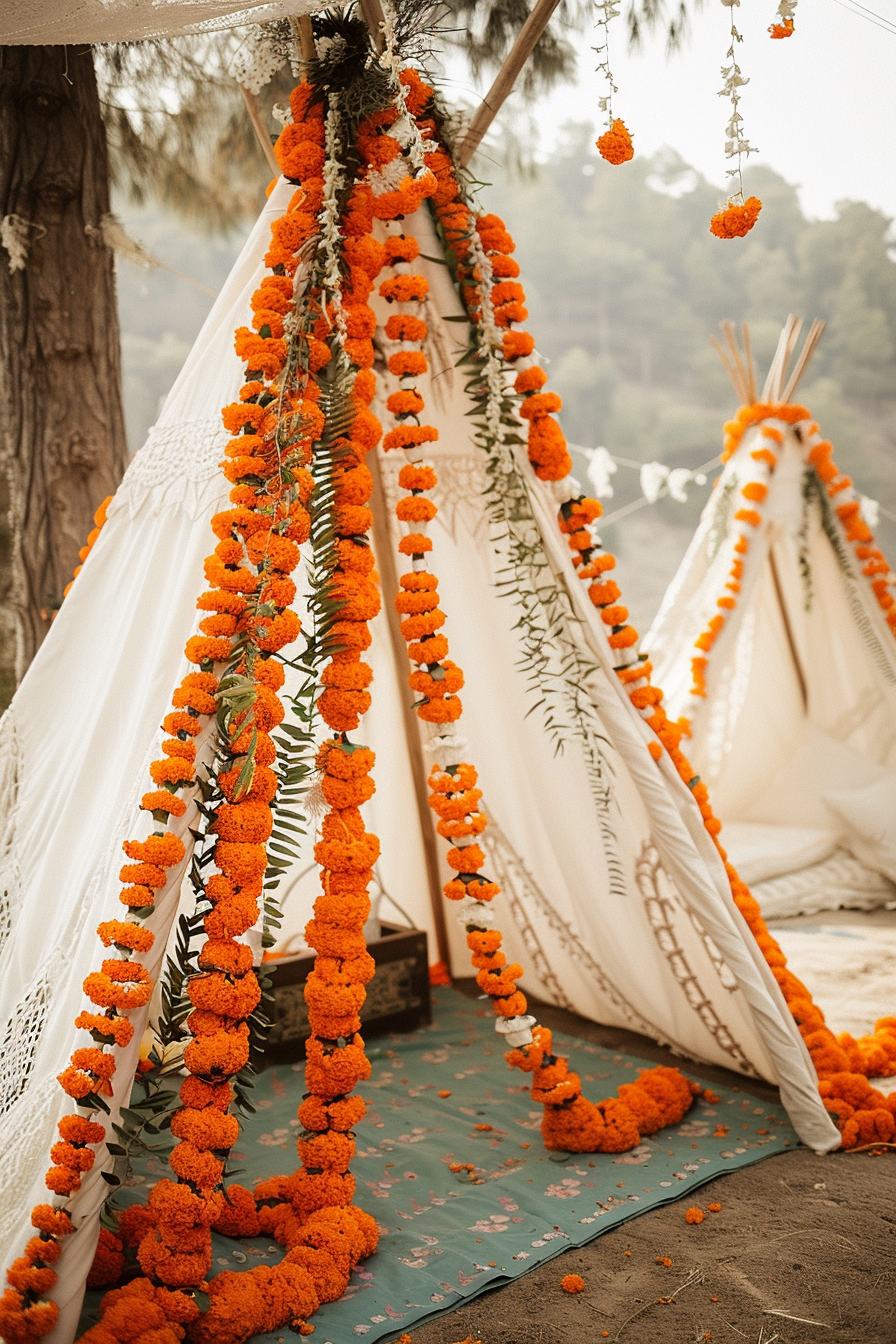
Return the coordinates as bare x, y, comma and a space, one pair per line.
792, 702
620, 904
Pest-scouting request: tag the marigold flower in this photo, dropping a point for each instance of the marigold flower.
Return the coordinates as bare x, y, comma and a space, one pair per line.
517, 345
407, 363
108, 1261
736, 220
694, 1215
547, 449
405, 327
117, 1029
615, 145
410, 436
572, 1283
124, 934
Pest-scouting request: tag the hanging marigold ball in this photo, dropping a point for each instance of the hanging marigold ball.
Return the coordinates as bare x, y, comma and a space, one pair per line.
615, 145
736, 220
779, 30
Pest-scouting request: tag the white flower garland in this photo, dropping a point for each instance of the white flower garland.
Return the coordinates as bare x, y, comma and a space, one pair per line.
331, 238
736, 145
405, 130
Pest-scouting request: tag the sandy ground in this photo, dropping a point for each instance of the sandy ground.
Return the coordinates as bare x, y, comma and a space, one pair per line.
798, 1236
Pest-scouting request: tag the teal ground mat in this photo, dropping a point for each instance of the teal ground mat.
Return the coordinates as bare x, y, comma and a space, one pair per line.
448, 1236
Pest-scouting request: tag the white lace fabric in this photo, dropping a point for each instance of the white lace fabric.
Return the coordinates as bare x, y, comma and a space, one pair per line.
101, 21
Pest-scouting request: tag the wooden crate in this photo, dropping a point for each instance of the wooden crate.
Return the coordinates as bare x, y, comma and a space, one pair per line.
398, 997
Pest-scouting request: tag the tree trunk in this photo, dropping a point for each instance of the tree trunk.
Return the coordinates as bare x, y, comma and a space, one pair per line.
62, 438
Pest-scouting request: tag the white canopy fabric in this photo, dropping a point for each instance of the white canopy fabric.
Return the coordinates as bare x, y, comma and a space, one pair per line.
73, 22
617, 907
801, 683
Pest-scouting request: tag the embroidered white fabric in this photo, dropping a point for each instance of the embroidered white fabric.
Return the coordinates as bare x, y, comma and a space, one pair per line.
177, 468
87, 21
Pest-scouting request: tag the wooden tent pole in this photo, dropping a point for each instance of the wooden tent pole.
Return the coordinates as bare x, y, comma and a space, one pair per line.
788, 629
302, 32
519, 53
815, 334
385, 563
748, 360
728, 366
258, 126
374, 18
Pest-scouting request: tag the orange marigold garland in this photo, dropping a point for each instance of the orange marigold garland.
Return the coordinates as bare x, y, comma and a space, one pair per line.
311, 1212
274, 424
99, 522
861, 1113
570, 1122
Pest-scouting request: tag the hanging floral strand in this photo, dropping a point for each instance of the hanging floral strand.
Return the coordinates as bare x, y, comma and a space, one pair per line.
785, 12
739, 215
615, 145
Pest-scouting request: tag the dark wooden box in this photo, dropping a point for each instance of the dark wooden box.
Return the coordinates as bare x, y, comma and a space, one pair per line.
398, 997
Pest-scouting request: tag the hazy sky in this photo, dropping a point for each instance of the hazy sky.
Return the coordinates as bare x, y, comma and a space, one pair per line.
820, 106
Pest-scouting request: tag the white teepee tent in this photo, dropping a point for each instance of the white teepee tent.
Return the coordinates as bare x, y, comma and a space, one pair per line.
621, 905
776, 641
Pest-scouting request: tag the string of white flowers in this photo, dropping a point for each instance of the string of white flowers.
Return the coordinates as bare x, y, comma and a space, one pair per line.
405, 130
489, 342
607, 10
736, 143
331, 238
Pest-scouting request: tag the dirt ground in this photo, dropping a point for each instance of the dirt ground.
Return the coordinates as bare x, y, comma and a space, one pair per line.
798, 1236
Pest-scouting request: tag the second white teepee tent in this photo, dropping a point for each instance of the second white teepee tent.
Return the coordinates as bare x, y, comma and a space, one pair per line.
777, 642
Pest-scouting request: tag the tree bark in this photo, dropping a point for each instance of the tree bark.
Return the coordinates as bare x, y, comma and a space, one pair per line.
62, 436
